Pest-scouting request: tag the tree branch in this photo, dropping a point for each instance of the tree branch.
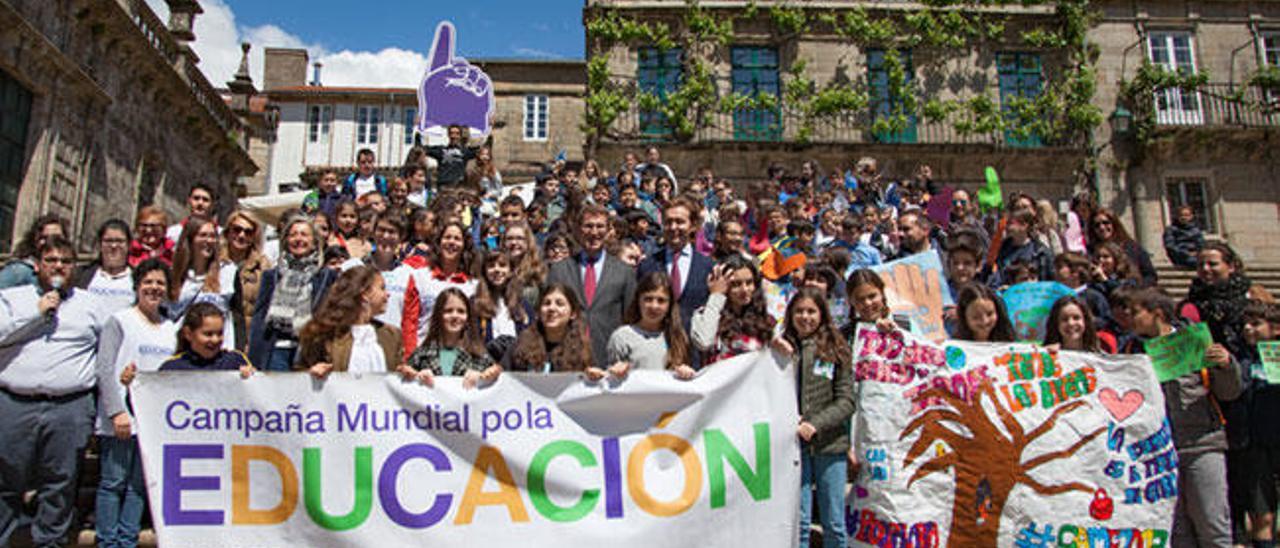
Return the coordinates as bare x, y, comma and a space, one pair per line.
934, 432
1006, 418
1050, 457
1049, 490
934, 465
931, 416
1048, 423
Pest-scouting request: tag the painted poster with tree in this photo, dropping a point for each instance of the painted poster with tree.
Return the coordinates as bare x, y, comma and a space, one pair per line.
968, 444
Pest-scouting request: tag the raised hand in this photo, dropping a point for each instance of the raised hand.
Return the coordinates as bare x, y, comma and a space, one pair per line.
453, 91
924, 291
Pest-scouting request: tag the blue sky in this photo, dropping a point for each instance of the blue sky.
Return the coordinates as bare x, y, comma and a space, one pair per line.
386, 44
486, 28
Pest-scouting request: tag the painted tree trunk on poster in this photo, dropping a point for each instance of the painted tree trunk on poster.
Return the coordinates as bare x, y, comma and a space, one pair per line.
968, 444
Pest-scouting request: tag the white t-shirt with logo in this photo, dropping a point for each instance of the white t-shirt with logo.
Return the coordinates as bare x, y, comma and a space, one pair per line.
135, 340
114, 292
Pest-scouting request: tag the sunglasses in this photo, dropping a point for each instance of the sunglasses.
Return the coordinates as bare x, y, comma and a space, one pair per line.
241, 230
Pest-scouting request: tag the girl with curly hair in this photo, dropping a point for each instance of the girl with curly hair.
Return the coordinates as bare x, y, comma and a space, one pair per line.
735, 319
344, 333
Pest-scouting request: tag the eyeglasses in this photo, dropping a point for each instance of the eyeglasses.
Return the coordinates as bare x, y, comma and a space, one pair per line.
1103, 222
236, 229
959, 202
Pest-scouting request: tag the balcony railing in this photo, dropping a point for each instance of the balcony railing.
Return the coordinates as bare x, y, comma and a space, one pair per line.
787, 124
157, 34
1219, 105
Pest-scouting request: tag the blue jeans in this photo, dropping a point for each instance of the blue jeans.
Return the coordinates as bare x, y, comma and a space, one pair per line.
829, 474
121, 491
281, 359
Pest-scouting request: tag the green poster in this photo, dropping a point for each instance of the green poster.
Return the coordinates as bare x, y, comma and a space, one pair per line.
1269, 354
1180, 352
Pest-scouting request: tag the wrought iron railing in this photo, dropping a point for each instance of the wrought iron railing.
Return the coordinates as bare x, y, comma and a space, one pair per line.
1219, 105
788, 123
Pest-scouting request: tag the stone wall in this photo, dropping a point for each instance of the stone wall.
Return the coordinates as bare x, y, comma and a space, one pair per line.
114, 125
1045, 174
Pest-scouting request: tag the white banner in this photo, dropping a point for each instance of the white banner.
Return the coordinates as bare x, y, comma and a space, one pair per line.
967, 444
285, 460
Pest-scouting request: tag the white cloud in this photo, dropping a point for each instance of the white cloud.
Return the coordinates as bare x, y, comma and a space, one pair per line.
218, 39
534, 52
389, 67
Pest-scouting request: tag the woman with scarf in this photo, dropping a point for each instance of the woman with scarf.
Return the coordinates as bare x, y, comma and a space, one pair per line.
286, 297
1220, 293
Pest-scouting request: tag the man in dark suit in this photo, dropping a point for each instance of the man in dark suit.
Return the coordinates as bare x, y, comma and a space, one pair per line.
603, 284
687, 268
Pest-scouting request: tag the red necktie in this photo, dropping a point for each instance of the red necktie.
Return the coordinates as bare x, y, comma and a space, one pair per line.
675, 277
589, 282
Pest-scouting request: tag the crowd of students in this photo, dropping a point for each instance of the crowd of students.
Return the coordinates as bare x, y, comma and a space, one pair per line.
600, 273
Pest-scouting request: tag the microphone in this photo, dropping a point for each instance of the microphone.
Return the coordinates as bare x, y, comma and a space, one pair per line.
56, 283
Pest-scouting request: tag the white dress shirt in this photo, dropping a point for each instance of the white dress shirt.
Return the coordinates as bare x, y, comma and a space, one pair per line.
48, 355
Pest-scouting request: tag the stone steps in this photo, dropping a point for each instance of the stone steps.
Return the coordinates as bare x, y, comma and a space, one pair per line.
1177, 282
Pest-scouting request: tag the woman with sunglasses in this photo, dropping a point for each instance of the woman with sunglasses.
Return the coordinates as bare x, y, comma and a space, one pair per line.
242, 246
1105, 227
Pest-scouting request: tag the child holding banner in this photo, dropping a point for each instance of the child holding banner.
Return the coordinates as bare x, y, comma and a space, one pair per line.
1071, 327
453, 345
1191, 403
867, 303
1252, 476
653, 337
557, 341
200, 344
344, 334
982, 315
824, 369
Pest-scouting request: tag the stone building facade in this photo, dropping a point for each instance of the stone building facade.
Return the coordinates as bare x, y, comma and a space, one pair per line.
1222, 160
103, 111
537, 111
760, 57
1218, 155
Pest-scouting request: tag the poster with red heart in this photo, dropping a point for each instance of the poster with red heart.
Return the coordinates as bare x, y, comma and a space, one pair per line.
969, 444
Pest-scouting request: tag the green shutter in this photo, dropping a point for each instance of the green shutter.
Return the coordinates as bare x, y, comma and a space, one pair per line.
1020, 76
755, 72
883, 102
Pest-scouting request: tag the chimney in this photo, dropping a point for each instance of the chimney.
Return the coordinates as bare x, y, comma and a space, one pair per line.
284, 67
316, 81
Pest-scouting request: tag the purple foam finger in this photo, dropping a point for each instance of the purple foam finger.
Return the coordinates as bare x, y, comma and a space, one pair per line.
453, 91
442, 47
